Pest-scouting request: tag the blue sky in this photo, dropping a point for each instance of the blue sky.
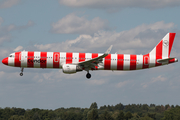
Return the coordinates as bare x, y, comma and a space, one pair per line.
133, 27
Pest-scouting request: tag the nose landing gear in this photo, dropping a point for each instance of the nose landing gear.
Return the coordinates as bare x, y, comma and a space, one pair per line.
21, 74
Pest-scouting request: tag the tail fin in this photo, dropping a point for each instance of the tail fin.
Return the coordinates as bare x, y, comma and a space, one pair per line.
163, 48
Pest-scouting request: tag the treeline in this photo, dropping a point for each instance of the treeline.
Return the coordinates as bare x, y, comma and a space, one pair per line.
117, 112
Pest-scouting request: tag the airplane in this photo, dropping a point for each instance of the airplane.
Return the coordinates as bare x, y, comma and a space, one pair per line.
71, 63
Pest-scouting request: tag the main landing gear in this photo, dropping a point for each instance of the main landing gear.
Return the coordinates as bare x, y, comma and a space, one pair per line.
21, 74
88, 75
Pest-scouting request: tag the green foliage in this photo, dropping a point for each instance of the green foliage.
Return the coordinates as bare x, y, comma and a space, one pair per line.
94, 106
92, 115
106, 112
146, 118
105, 116
172, 114
128, 115
119, 107
120, 116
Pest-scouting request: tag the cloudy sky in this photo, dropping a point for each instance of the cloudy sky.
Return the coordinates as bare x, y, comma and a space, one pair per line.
133, 27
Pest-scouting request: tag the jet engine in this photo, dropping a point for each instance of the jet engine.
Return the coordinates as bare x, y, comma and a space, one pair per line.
70, 69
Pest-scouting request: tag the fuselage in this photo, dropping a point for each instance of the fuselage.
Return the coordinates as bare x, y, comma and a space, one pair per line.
31, 59
71, 63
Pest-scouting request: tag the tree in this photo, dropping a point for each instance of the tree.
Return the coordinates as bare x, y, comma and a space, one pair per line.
152, 115
85, 114
105, 116
172, 114
119, 106
120, 116
172, 106
16, 117
152, 105
167, 107
145, 107
128, 115
146, 118
93, 115
94, 105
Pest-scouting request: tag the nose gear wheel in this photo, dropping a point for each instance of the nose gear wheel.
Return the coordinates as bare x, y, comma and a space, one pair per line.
21, 74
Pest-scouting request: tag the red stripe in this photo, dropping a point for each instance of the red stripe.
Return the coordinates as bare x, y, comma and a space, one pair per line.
107, 62
120, 62
172, 61
68, 58
171, 40
81, 57
159, 52
94, 55
56, 60
43, 59
146, 61
30, 59
133, 62
17, 62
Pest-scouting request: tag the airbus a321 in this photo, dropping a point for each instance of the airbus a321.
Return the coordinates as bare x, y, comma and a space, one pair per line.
75, 62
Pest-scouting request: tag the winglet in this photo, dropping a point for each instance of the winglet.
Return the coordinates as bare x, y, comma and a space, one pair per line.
108, 51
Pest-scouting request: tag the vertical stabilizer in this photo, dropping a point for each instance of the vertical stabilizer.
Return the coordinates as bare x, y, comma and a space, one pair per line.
163, 48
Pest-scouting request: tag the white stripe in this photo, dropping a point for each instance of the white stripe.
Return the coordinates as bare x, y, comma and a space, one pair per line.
62, 58
88, 56
139, 63
126, 62
11, 60
101, 65
36, 57
50, 60
75, 57
113, 61
152, 58
24, 58
165, 48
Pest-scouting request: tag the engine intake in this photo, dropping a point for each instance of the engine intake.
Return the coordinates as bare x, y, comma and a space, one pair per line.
70, 69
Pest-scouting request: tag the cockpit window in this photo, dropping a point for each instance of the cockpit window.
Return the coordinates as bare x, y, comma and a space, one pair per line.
11, 55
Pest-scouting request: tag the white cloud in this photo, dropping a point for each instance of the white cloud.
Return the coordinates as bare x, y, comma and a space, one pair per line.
159, 78
18, 48
143, 36
154, 80
5, 34
8, 3
78, 25
103, 4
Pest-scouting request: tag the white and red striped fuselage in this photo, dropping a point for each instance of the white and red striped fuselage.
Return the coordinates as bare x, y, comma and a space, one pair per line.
29, 59
73, 62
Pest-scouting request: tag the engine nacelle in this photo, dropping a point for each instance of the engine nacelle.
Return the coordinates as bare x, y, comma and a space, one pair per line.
70, 69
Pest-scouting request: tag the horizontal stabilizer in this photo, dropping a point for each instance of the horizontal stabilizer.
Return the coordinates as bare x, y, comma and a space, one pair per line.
164, 60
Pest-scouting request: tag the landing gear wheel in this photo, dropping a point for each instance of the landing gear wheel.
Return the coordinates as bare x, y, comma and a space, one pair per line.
22, 69
88, 75
21, 74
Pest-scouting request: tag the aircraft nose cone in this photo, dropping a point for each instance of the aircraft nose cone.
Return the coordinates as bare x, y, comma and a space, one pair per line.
5, 61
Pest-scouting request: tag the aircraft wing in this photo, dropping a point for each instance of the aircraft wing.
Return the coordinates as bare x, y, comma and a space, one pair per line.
95, 61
